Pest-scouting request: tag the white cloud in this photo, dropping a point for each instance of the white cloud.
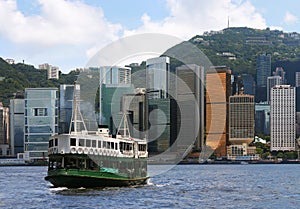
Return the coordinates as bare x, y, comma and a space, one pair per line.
66, 33
59, 22
289, 18
190, 17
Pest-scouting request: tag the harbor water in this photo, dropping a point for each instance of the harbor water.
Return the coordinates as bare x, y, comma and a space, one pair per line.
184, 186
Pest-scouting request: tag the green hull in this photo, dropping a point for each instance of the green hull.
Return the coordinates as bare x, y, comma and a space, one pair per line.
72, 178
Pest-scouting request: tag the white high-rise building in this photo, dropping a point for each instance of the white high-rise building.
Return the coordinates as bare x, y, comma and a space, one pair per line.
114, 75
157, 77
272, 81
52, 71
283, 118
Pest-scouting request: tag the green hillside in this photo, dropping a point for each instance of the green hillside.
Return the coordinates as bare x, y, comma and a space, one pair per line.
238, 48
17, 77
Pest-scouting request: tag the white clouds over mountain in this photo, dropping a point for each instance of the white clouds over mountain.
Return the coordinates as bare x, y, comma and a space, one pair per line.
190, 17
71, 31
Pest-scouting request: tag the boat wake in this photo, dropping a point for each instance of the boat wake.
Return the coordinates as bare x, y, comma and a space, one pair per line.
149, 183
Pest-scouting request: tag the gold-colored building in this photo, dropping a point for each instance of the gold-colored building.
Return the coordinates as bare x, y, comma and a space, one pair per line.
218, 90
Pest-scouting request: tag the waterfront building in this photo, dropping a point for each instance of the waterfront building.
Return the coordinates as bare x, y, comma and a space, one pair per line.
241, 119
159, 131
41, 121
218, 90
241, 126
4, 130
263, 69
283, 118
136, 107
52, 71
272, 81
65, 107
111, 98
17, 111
190, 88
297, 81
157, 77
110, 78
262, 118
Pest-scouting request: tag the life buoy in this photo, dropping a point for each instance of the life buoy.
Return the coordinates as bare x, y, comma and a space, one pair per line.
91, 151
73, 150
95, 151
100, 152
79, 151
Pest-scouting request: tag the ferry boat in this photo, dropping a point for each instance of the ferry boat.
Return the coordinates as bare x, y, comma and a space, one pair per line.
96, 159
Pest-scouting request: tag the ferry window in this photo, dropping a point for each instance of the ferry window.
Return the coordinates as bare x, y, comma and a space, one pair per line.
81, 142
99, 144
56, 142
116, 146
88, 143
73, 142
104, 144
112, 145
93, 143
121, 146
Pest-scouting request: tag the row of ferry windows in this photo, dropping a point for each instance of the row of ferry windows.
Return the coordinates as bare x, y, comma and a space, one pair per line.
101, 144
93, 143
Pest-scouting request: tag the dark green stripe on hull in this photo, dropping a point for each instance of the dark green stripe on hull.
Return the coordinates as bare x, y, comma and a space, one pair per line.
92, 182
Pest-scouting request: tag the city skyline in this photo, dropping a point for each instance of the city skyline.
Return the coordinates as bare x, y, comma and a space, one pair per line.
68, 37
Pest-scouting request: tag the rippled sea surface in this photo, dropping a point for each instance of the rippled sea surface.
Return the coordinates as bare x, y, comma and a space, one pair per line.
184, 186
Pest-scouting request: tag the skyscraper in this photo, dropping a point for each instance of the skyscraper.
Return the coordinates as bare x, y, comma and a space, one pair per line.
241, 119
272, 81
283, 118
262, 118
65, 107
241, 126
297, 79
136, 107
41, 121
17, 111
190, 83
248, 84
218, 90
112, 79
157, 77
263, 69
4, 130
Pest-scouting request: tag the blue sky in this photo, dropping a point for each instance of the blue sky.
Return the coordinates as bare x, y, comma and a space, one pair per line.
67, 33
